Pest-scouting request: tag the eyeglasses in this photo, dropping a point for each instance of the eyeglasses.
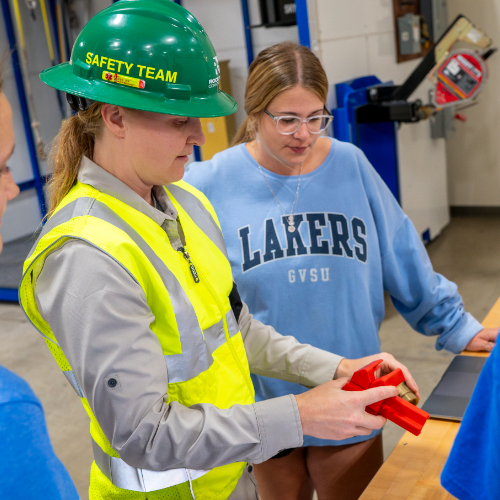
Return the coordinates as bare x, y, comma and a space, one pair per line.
288, 125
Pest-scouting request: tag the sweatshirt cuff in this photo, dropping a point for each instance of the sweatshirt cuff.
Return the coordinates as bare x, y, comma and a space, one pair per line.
458, 340
279, 425
318, 367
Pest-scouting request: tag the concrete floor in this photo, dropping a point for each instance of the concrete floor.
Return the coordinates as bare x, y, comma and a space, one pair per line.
466, 252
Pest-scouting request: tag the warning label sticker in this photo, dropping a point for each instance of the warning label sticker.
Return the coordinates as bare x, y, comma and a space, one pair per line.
123, 80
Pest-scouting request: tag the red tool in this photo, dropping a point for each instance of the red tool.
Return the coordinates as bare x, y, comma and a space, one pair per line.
395, 409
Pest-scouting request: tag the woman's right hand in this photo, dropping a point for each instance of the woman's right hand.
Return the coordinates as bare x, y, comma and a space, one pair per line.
328, 412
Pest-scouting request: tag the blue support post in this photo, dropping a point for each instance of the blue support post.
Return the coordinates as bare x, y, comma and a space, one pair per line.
53, 15
69, 47
248, 33
377, 140
302, 22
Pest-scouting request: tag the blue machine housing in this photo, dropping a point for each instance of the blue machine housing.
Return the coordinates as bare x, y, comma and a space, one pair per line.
377, 140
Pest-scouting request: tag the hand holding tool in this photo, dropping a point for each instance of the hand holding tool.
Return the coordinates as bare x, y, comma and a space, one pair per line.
395, 409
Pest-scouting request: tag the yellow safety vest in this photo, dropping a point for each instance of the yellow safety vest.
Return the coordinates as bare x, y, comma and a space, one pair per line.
199, 335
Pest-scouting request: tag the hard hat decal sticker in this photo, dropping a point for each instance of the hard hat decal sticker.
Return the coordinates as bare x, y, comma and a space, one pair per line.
123, 80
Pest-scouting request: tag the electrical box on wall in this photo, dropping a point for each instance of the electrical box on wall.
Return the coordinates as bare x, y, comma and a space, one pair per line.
277, 13
412, 30
410, 35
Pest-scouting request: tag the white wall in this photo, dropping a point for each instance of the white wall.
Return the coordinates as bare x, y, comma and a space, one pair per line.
474, 148
356, 38
223, 22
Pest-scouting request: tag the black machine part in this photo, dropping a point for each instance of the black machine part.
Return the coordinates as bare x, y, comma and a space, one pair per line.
382, 107
394, 111
488, 53
276, 13
389, 102
78, 103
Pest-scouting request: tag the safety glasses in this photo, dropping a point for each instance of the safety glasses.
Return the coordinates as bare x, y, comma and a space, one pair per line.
288, 125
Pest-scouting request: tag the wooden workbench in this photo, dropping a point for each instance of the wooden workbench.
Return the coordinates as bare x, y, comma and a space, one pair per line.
413, 469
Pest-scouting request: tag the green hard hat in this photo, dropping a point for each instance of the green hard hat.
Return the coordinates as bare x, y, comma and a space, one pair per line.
145, 54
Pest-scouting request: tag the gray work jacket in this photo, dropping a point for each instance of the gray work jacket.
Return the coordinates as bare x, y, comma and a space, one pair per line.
99, 315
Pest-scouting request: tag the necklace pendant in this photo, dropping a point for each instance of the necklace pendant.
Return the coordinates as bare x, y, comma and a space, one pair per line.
291, 229
291, 223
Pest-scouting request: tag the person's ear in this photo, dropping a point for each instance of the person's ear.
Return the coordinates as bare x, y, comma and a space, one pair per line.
113, 118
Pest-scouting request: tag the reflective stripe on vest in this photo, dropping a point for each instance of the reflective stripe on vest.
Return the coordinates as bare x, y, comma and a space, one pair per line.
179, 367
74, 383
127, 477
199, 214
197, 358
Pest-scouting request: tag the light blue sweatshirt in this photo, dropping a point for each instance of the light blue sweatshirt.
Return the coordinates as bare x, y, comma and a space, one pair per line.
325, 282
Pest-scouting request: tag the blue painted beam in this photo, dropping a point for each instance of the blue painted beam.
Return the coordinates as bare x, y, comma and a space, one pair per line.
53, 15
246, 31
302, 22
24, 186
9, 295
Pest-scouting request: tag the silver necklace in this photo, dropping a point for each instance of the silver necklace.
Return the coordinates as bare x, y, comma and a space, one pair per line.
290, 218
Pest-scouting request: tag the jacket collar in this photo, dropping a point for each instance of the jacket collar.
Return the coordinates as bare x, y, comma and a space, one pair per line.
100, 179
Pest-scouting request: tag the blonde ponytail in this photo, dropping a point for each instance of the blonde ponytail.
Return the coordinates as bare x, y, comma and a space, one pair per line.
75, 139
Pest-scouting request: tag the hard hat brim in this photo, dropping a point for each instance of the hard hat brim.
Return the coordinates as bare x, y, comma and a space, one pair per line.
61, 77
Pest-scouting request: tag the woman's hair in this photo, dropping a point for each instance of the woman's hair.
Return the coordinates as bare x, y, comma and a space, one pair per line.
276, 69
75, 139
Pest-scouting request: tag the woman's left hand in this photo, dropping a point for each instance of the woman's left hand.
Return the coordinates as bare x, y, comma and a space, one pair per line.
348, 366
484, 340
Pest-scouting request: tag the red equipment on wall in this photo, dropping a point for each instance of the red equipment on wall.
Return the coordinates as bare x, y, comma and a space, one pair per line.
460, 78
